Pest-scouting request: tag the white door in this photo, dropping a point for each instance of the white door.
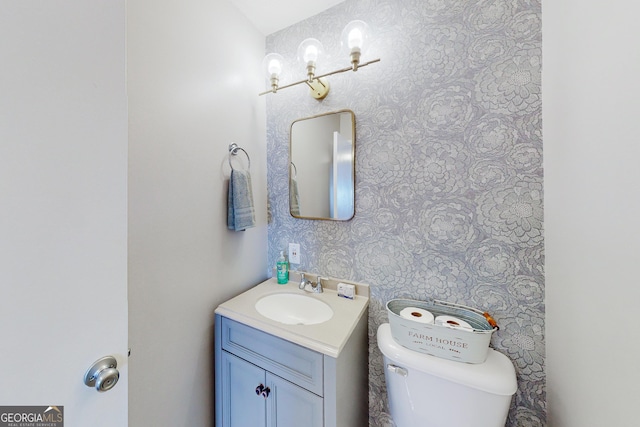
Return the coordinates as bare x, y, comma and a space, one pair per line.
63, 211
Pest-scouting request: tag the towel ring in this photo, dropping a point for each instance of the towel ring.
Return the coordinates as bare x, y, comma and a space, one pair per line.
295, 170
233, 150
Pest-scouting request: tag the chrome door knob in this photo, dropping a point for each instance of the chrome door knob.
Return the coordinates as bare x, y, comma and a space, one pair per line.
103, 374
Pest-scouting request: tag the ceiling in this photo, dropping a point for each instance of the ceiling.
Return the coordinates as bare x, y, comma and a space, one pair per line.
270, 16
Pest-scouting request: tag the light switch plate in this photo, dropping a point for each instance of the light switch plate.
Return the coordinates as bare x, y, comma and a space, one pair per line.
294, 253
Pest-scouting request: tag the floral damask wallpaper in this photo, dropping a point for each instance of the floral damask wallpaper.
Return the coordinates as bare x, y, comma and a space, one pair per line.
449, 184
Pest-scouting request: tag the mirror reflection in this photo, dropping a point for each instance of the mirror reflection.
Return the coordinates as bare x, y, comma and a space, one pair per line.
322, 168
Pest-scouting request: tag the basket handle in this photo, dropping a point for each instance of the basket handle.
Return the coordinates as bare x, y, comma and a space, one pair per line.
491, 321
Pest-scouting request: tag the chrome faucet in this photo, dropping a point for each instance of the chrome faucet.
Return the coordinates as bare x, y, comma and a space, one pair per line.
315, 287
303, 282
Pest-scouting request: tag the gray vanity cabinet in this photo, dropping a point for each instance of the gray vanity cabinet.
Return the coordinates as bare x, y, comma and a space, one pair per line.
264, 380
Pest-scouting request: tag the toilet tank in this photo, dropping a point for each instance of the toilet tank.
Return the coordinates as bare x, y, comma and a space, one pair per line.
427, 391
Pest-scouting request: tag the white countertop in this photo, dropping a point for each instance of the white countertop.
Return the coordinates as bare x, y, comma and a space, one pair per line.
328, 338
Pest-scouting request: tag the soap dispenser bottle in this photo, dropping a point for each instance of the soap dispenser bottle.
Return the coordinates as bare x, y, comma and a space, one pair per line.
282, 269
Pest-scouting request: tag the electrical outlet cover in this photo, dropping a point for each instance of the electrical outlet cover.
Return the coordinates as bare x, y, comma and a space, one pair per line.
294, 253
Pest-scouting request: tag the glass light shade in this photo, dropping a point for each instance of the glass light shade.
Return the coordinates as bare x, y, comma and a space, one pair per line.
309, 51
272, 64
355, 37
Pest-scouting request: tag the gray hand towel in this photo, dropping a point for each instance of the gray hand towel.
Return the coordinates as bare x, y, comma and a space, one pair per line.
240, 211
294, 197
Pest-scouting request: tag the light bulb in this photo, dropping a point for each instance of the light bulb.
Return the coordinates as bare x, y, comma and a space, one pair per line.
311, 54
275, 67
355, 38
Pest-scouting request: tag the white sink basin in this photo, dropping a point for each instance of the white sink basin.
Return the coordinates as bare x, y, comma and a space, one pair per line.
294, 309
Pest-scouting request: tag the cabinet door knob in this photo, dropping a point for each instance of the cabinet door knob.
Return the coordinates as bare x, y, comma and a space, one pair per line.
265, 392
259, 389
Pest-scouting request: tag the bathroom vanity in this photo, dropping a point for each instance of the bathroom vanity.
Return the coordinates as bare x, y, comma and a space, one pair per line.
270, 373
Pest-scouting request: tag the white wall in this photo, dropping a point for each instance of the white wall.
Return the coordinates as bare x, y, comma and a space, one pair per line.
592, 211
193, 79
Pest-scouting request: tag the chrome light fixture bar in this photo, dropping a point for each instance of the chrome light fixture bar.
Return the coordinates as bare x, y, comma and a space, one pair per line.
354, 39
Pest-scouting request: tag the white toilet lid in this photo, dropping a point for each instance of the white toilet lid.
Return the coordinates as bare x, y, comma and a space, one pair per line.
496, 375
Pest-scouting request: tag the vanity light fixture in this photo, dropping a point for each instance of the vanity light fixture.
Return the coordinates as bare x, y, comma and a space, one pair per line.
354, 40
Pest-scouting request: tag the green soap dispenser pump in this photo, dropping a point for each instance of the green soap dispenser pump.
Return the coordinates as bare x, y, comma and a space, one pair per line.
282, 269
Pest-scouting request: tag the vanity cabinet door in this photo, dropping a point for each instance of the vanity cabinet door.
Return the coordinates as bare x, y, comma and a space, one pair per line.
241, 406
291, 406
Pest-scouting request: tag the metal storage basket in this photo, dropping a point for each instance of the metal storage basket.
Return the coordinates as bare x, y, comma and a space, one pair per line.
443, 341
